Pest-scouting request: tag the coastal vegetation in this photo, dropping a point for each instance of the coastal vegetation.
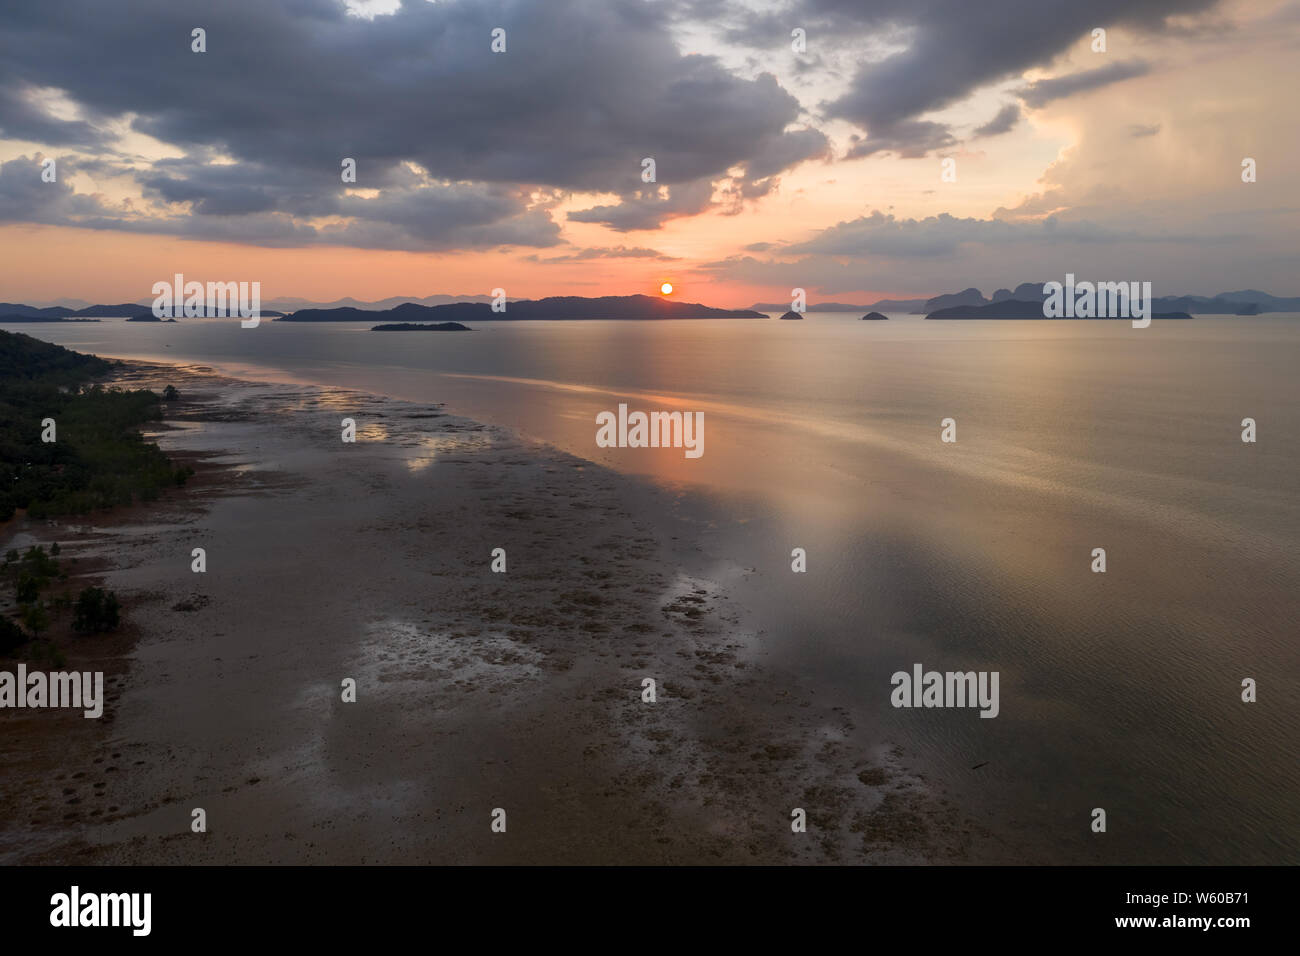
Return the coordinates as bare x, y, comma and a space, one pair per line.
41, 598
97, 458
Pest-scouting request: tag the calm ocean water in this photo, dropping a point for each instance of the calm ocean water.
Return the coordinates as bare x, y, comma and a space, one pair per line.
1119, 690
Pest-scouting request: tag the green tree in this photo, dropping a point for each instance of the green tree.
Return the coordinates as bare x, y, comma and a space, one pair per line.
11, 635
35, 618
96, 610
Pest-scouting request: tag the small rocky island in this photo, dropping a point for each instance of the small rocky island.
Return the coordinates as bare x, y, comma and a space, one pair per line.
792, 315
421, 327
875, 317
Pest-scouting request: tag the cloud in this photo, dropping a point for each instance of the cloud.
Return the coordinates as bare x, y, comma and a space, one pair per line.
26, 197
584, 91
909, 139
1003, 122
421, 217
24, 117
1043, 92
787, 150
607, 252
1138, 130
950, 48
650, 208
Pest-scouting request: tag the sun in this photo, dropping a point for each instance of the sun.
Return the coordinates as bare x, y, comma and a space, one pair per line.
666, 288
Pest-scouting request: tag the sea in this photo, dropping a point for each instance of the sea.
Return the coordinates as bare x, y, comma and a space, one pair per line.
1120, 690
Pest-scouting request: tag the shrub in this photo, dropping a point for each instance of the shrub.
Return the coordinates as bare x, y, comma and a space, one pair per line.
11, 635
36, 618
96, 610
28, 589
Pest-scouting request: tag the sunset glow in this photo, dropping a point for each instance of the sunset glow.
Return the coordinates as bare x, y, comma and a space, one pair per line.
830, 180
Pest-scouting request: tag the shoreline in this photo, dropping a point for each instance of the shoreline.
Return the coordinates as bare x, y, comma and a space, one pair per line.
475, 690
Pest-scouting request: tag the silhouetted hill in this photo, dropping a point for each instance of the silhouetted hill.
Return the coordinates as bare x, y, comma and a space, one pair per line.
289, 304
1245, 302
123, 310
553, 307
99, 460
790, 316
970, 296
40, 318
25, 358
1014, 309
874, 317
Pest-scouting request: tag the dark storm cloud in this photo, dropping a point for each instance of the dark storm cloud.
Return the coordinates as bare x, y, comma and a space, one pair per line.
22, 119
1003, 122
434, 217
1044, 91
584, 91
794, 147
650, 208
955, 46
25, 197
910, 139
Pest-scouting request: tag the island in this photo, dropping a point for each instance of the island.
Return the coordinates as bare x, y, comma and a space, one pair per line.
1018, 309
551, 308
148, 318
40, 318
422, 327
16, 312
874, 317
792, 315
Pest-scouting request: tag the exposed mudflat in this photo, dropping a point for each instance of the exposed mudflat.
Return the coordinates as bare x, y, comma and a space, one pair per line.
475, 690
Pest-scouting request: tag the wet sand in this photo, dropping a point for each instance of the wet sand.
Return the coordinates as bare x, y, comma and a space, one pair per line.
475, 690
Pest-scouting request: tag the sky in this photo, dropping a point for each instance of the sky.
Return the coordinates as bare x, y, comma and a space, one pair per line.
857, 149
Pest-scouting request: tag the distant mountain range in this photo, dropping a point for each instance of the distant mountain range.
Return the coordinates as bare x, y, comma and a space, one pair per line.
1244, 302
56, 312
291, 304
553, 307
380, 305
131, 311
477, 308
1017, 309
